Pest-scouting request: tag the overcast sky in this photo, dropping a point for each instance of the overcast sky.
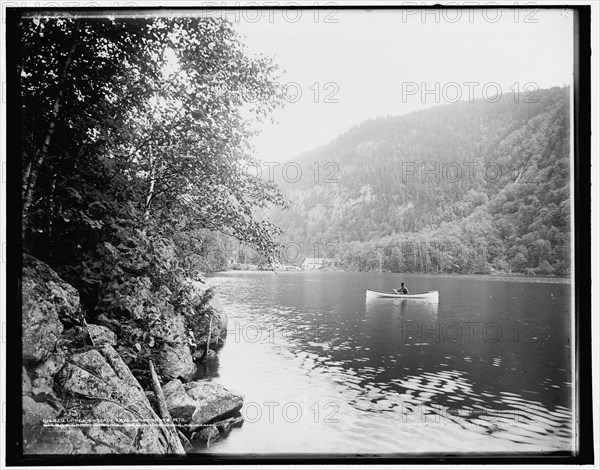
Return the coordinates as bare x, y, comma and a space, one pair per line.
374, 63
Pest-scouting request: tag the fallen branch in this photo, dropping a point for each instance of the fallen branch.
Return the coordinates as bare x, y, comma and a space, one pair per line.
163, 411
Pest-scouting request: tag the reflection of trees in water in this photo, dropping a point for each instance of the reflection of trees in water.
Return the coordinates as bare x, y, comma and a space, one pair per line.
363, 348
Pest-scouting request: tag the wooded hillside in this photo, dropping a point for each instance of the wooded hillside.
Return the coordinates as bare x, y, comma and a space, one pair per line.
468, 187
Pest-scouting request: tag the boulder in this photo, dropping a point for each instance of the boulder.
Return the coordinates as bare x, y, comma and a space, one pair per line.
74, 338
64, 441
180, 405
219, 319
214, 400
99, 389
41, 331
101, 335
197, 403
176, 357
225, 425
206, 435
42, 382
48, 302
49, 368
176, 361
42, 283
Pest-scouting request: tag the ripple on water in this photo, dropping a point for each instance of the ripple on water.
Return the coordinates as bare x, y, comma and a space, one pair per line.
389, 398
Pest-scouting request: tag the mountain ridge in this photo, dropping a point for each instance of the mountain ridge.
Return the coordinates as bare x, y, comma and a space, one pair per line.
430, 173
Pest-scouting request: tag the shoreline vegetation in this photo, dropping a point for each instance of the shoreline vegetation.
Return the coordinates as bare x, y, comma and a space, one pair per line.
81, 397
395, 206
498, 275
135, 137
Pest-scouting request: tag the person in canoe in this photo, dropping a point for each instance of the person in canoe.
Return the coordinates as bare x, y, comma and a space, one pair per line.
402, 289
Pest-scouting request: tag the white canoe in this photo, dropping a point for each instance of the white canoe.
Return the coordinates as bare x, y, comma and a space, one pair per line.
431, 295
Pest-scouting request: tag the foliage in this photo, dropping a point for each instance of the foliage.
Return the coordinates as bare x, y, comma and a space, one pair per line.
201, 308
135, 150
477, 222
155, 110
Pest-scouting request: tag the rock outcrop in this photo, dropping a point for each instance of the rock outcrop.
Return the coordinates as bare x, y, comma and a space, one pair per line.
100, 335
105, 411
79, 397
48, 302
202, 409
214, 431
43, 374
45, 291
219, 319
176, 361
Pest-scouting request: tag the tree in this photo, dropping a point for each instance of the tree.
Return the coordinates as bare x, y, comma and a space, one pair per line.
141, 119
135, 144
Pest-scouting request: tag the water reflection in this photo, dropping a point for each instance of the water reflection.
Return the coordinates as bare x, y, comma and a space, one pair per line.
405, 375
409, 309
208, 368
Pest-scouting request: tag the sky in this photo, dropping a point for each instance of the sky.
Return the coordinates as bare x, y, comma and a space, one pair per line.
343, 67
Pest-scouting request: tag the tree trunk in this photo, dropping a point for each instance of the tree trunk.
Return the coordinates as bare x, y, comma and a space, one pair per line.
151, 188
51, 216
33, 166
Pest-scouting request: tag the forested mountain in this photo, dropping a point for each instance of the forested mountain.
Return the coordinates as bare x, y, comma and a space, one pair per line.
467, 187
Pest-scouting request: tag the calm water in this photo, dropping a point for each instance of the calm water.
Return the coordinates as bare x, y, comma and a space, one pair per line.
486, 369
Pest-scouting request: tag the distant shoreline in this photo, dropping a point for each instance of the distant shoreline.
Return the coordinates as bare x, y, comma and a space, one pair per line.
494, 277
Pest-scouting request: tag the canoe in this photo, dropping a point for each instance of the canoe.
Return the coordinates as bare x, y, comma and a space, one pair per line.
431, 295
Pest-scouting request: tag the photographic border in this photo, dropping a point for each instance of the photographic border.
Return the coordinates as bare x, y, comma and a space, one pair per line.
581, 184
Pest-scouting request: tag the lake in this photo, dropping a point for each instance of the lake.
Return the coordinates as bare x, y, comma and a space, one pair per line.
323, 370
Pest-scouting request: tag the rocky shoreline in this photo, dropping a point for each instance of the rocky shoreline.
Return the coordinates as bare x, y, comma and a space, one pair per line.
80, 396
